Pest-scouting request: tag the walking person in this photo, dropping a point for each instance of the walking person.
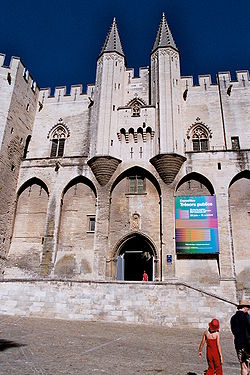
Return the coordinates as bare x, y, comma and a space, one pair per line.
214, 354
240, 327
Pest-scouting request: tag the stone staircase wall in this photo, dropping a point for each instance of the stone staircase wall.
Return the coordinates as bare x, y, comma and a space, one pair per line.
168, 304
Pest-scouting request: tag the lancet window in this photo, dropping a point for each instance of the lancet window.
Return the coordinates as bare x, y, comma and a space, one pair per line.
58, 135
58, 142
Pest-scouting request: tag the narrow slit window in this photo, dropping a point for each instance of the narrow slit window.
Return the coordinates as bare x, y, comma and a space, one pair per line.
91, 224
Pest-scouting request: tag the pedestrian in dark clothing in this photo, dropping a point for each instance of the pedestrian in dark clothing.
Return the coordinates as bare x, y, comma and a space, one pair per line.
240, 327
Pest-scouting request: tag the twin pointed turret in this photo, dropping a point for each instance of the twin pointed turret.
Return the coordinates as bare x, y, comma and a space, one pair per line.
164, 36
112, 42
167, 162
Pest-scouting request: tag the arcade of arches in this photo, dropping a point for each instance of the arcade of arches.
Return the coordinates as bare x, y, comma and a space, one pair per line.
134, 228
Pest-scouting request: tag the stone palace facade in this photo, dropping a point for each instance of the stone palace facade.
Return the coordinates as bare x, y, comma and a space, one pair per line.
89, 180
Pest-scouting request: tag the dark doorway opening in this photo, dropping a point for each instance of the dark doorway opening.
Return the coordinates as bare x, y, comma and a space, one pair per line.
137, 255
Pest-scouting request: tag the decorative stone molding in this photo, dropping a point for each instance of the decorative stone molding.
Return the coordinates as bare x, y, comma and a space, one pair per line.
136, 100
60, 123
143, 132
197, 123
103, 167
168, 165
135, 221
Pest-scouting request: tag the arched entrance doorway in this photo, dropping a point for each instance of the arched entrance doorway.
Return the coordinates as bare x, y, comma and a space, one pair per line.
136, 254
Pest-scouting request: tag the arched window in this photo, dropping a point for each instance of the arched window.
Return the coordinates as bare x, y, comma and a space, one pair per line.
58, 142
200, 139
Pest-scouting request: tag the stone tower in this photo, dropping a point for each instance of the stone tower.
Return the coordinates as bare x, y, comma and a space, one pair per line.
17, 114
107, 98
166, 97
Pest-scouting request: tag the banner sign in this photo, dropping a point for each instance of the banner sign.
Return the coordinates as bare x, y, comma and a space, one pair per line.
196, 225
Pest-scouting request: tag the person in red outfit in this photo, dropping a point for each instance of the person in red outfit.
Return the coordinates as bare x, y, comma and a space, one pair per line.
145, 276
214, 354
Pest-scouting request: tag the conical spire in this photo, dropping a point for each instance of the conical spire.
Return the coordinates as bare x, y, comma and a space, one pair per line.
164, 36
112, 42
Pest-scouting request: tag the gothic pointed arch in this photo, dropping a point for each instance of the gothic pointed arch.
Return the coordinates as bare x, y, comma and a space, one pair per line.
137, 171
194, 184
199, 134
242, 174
129, 236
29, 226
80, 179
135, 253
135, 217
30, 182
76, 231
58, 135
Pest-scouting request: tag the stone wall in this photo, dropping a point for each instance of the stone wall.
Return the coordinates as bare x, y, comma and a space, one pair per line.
19, 95
168, 304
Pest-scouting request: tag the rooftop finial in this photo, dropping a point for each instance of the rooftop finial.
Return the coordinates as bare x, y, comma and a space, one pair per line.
112, 42
164, 36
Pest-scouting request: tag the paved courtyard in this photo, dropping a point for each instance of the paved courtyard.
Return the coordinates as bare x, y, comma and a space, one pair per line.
32, 346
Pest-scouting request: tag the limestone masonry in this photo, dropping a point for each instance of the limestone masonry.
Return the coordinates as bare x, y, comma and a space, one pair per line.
89, 180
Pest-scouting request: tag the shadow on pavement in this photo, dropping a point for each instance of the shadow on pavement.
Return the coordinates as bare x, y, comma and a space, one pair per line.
6, 344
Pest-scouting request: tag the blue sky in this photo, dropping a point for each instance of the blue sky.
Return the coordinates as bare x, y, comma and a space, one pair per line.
59, 40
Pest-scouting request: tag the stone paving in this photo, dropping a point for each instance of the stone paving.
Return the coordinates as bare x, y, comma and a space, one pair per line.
33, 346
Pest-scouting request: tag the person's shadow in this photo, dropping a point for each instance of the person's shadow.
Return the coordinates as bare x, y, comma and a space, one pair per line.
7, 344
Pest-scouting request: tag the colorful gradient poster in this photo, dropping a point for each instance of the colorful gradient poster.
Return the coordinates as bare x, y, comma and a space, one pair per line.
196, 225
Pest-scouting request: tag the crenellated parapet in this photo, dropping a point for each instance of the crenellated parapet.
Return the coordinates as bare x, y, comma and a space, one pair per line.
205, 81
60, 94
242, 79
11, 70
13, 62
223, 79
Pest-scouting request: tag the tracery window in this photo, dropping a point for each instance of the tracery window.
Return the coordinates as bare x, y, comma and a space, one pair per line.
58, 142
200, 139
